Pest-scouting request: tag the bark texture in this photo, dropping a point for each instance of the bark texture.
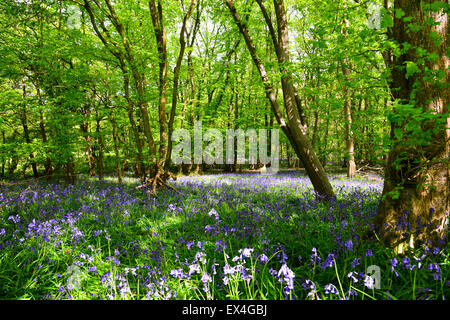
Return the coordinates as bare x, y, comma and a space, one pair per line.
415, 204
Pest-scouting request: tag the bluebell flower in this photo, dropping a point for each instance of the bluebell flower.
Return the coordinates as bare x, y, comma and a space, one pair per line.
330, 288
369, 282
206, 278
329, 261
263, 258
350, 275
247, 252
355, 262
194, 268
394, 262
349, 245
214, 213
288, 276
177, 273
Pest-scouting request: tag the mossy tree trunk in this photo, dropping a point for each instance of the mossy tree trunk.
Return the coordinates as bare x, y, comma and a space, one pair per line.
415, 202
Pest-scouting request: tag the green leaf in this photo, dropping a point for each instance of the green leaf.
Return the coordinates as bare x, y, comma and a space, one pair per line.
399, 13
407, 19
411, 69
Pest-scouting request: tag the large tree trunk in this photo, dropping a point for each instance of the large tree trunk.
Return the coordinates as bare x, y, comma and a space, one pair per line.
294, 130
415, 204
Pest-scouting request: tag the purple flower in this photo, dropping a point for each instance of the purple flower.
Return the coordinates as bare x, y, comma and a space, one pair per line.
229, 270
394, 262
312, 286
369, 282
349, 245
329, 261
247, 252
116, 261
206, 278
405, 262
200, 256
177, 273
97, 233
330, 288
288, 275
350, 275
93, 269
263, 258
194, 268
315, 257
355, 262
214, 213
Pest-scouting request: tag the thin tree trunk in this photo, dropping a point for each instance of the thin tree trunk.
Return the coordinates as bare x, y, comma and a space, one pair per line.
176, 74
121, 56
48, 161
2, 174
100, 146
116, 147
160, 35
26, 132
350, 143
294, 130
140, 166
89, 152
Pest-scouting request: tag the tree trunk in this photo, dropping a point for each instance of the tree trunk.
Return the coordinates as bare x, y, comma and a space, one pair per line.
350, 143
26, 132
2, 174
89, 152
116, 147
121, 56
48, 161
415, 203
100, 162
176, 74
160, 35
293, 129
140, 166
